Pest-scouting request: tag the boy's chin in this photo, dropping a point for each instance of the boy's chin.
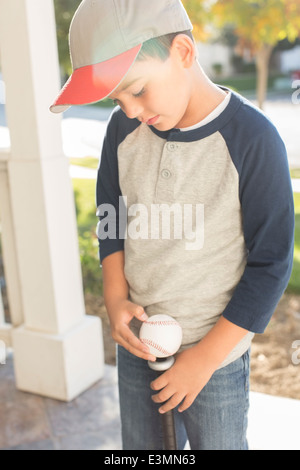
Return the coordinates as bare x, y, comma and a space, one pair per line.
164, 126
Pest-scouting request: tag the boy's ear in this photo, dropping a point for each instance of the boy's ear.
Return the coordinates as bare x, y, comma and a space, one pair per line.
184, 50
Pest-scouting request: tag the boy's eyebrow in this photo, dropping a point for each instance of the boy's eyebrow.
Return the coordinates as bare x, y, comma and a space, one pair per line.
127, 85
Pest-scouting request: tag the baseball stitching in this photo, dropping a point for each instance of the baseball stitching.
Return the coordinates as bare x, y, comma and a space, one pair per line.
156, 346
162, 323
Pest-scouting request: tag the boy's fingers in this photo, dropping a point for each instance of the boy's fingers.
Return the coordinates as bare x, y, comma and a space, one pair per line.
172, 403
164, 395
130, 342
123, 335
189, 400
159, 383
133, 341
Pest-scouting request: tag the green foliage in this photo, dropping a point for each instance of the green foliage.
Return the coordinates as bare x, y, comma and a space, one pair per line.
247, 82
199, 13
260, 22
84, 192
90, 265
64, 11
294, 284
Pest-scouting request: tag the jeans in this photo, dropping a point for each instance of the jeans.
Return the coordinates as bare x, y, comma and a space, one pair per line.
217, 420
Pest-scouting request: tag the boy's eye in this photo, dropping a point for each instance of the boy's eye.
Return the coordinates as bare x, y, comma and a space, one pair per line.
137, 95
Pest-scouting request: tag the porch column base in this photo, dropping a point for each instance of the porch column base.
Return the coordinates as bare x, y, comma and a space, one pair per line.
59, 366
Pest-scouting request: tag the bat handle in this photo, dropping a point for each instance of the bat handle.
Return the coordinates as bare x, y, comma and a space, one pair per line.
169, 432
168, 423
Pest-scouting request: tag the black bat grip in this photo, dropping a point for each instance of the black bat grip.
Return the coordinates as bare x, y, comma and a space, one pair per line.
168, 422
169, 434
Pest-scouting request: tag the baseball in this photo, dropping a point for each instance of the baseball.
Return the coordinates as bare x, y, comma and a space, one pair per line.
162, 334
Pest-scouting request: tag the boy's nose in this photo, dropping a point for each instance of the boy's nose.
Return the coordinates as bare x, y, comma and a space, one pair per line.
134, 111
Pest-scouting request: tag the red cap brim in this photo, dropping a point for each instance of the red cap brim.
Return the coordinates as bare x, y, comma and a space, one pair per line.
94, 82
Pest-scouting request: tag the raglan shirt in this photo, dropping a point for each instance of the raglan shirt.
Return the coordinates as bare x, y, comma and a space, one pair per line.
226, 192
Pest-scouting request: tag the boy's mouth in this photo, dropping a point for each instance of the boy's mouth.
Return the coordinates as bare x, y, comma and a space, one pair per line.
152, 121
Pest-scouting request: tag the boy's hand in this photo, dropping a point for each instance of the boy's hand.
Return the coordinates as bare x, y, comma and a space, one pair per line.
183, 382
120, 317
120, 310
195, 366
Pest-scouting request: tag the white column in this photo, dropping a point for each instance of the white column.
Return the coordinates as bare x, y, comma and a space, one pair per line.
2, 317
9, 243
1, 308
58, 352
9, 258
4, 332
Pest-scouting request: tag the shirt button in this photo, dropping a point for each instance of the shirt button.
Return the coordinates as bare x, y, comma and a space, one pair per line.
166, 174
172, 147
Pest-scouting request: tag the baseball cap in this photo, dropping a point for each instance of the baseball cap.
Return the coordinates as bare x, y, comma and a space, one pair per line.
105, 39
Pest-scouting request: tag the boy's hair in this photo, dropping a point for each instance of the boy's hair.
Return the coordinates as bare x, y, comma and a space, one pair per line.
160, 47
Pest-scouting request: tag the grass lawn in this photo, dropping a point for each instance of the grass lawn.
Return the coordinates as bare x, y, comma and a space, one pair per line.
294, 285
85, 197
86, 162
85, 200
246, 82
295, 174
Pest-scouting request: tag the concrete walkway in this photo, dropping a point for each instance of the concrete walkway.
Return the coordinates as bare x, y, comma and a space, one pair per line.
92, 421
296, 185
31, 422
273, 423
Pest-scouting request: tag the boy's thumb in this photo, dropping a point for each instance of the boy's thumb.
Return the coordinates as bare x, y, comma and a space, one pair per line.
140, 314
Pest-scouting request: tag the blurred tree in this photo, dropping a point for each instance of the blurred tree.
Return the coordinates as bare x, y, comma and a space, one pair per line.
199, 13
260, 25
64, 11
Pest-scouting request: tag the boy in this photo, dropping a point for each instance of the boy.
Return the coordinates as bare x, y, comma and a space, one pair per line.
177, 142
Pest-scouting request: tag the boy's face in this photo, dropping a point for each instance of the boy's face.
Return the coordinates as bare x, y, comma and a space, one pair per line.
157, 93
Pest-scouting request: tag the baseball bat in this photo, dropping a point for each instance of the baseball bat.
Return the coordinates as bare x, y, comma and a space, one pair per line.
168, 423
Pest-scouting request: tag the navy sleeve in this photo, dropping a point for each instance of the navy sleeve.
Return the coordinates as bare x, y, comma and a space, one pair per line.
108, 193
268, 221
110, 205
